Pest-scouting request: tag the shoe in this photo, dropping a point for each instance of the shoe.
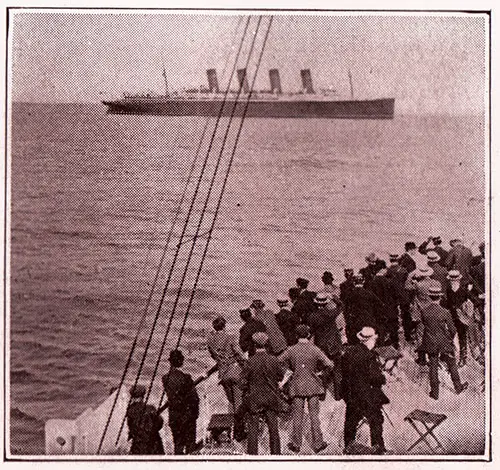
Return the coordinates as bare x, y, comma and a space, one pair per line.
293, 447
321, 447
379, 450
462, 387
434, 395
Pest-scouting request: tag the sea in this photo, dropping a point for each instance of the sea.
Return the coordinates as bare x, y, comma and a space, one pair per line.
94, 199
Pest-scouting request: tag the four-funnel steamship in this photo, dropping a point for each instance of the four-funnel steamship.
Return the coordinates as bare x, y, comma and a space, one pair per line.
269, 104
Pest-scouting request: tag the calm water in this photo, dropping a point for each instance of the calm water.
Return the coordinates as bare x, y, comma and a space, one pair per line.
94, 197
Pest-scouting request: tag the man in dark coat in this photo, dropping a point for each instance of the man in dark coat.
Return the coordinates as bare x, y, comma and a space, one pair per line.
260, 382
347, 285
287, 321
362, 379
327, 337
407, 259
183, 403
440, 273
437, 341
385, 290
374, 266
397, 274
457, 293
250, 327
305, 301
362, 309
436, 241
144, 424
459, 258
277, 342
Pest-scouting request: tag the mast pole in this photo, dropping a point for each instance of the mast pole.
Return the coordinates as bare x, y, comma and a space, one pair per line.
350, 83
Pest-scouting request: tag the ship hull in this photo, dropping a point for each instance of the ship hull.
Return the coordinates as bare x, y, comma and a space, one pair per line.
348, 109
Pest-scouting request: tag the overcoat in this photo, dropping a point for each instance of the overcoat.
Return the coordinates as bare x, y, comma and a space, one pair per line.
143, 425
362, 378
303, 359
322, 322
288, 321
277, 342
250, 327
259, 381
460, 258
439, 330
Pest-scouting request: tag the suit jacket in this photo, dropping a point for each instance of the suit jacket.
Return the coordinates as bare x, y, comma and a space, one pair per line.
407, 262
288, 322
345, 289
143, 424
246, 331
259, 381
398, 276
386, 291
362, 378
277, 342
182, 396
303, 360
362, 309
455, 299
460, 258
322, 322
304, 305
225, 350
439, 330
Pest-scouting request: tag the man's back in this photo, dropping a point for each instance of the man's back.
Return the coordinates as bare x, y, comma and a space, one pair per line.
250, 327
439, 329
181, 393
224, 350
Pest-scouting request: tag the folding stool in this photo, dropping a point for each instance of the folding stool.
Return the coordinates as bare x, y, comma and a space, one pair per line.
430, 422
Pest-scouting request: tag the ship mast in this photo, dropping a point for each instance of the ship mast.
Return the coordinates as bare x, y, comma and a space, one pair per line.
165, 78
350, 83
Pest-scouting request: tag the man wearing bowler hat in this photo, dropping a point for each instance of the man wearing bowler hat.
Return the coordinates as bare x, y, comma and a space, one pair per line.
144, 424
362, 381
437, 341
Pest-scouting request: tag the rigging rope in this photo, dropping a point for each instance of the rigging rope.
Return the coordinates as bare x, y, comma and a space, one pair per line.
187, 220
207, 198
166, 246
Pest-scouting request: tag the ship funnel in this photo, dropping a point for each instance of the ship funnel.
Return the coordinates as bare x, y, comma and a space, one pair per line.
213, 84
274, 77
307, 83
242, 80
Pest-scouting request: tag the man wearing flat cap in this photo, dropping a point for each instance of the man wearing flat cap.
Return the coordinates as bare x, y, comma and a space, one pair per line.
362, 381
144, 424
303, 360
259, 381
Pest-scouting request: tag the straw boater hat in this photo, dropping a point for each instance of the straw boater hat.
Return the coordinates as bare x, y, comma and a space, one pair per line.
260, 338
321, 298
282, 300
454, 275
433, 257
393, 257
435, 290
425, 271
257, 304
366, 334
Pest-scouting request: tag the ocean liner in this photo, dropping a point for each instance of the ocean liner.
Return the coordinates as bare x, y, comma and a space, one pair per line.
268, 104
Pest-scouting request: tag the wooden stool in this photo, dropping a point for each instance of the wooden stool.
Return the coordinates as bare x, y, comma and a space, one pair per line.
430, 421
389, 357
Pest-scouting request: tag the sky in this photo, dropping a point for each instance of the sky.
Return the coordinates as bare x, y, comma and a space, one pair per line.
432, 63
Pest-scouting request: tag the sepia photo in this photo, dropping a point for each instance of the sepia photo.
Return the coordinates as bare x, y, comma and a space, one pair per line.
247, 235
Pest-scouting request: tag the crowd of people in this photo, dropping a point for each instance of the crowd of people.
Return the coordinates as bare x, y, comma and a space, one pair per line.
328, 340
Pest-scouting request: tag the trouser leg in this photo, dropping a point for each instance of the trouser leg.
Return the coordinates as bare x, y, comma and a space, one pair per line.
298, 417
337, 376
190, 435
406, 321
274, 434
462, 338
433, 374
178, 438
239, 422
376, 420
253, 434
450, 361
393, 330
352, 418
313, 408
